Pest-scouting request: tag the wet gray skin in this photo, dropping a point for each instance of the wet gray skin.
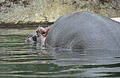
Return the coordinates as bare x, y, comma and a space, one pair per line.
84, 31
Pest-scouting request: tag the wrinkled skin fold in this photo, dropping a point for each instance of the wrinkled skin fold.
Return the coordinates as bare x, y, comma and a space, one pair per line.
84, 30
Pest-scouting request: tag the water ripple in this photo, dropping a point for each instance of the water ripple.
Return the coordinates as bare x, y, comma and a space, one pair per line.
21, 60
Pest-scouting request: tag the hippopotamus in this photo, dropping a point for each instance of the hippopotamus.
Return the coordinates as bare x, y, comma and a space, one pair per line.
84, 31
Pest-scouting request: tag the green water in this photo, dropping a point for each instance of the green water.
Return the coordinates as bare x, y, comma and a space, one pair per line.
21, 60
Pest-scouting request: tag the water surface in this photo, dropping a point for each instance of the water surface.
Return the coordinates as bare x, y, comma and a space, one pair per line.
21, 60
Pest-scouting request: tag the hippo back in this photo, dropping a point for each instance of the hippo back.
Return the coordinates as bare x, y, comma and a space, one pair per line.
84, 30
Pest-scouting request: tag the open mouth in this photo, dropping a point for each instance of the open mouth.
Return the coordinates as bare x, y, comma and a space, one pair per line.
42, 32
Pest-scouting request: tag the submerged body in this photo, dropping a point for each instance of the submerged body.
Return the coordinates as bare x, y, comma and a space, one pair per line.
84, 30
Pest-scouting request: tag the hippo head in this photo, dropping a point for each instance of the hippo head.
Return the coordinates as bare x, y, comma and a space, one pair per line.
41, 36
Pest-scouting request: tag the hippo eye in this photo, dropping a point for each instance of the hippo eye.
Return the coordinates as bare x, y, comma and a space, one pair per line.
34, 38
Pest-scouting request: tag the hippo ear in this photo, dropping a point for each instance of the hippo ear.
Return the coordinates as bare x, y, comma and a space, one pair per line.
38, 30
47, 29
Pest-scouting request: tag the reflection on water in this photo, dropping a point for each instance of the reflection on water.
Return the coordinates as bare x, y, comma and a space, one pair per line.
21, 60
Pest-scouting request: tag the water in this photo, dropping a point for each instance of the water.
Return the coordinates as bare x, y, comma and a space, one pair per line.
21, 60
